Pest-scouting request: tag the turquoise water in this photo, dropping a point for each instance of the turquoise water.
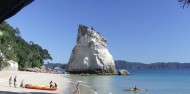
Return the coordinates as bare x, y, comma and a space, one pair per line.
156, 81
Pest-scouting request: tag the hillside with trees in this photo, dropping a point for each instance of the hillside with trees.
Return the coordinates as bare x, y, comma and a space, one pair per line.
15, 48
120, 64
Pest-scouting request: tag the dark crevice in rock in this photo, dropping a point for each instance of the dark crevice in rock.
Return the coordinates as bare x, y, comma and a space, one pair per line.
82, 30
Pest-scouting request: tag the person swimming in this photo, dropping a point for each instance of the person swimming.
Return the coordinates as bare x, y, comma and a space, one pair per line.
135, 88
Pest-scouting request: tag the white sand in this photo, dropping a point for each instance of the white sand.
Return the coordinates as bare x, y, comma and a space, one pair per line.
32, 78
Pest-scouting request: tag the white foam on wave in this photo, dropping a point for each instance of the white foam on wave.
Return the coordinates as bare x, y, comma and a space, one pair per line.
79, 81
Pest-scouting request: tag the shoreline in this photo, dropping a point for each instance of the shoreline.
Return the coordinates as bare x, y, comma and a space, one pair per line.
66, 85
83, 88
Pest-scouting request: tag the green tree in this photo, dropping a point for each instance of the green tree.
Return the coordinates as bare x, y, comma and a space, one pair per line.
184, 3
14, 47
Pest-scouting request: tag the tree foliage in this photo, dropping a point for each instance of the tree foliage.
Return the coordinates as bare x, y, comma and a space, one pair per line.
14, 47
184, 3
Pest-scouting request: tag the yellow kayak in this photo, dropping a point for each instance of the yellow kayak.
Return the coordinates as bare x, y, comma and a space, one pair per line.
133, 90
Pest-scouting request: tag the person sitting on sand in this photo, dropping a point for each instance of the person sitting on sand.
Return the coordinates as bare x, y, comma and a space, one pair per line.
15, 81
78, 90
51, 84
136, 88
10, 81
55, 85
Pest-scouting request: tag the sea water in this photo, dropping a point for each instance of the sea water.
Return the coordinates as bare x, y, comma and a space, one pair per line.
153, 81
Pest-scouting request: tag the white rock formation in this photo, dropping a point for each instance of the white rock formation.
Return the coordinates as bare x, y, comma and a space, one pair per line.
90, 54
123, 72
13, 66
2, 57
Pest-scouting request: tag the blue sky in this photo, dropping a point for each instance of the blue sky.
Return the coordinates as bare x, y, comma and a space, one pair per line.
137, 30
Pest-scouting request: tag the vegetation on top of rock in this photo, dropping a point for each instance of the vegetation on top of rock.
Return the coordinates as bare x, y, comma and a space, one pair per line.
14, 47
184, 3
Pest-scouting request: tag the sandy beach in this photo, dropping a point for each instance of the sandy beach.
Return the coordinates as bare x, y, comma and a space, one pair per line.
65, 84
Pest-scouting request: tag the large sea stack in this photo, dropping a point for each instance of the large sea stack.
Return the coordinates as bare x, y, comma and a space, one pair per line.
90, 54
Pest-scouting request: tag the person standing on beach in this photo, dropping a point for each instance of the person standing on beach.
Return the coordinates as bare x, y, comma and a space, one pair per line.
15, 81
51, 84
10, 81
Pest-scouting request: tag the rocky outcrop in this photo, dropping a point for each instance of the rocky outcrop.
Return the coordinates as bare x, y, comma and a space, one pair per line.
123, 72
13, 66
90, 54
55, 65
10, 64
42, 69
38, 69
2, 57
10, 8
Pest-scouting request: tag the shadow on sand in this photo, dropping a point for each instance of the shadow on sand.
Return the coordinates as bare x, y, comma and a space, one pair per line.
8, 92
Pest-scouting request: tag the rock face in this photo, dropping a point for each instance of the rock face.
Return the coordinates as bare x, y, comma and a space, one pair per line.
2, 57
12, 65
123, 72
42, 69
90, 54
